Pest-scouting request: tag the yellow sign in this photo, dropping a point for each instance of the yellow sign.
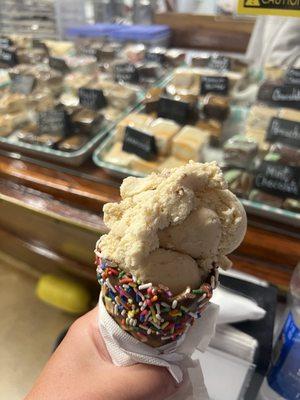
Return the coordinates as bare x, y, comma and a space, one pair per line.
284, 8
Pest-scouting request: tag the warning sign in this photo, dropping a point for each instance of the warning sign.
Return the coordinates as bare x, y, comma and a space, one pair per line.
270, 7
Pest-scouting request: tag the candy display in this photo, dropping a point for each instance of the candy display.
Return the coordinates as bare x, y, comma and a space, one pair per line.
66, 96
158, 272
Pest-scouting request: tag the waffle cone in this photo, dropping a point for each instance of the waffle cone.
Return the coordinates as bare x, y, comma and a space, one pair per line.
151, 313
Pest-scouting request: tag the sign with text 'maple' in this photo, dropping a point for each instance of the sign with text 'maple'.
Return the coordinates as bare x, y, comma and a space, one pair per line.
284, 8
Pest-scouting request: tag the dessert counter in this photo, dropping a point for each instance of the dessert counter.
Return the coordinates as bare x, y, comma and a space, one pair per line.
51, 219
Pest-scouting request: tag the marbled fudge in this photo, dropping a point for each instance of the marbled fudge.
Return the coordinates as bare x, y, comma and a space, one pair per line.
188, 143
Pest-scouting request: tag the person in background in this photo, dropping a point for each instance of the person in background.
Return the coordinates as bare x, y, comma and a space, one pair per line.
274, 41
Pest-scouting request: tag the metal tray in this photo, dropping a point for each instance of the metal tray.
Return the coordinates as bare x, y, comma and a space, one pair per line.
74, 158
254, 208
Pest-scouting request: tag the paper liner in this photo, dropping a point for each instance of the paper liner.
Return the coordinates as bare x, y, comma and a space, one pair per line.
151, 313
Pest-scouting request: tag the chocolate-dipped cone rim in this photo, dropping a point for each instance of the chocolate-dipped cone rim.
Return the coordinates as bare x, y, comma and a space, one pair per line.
151, 313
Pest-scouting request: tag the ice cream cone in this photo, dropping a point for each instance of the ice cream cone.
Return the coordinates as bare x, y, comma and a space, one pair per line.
152, 314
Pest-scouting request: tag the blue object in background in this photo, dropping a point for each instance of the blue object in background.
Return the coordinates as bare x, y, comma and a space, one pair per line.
155, 35
91, 31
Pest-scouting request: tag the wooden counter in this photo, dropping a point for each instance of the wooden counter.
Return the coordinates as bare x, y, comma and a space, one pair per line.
52, 220
208, 32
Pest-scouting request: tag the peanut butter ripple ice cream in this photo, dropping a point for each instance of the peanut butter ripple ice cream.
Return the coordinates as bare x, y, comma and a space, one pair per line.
167, 237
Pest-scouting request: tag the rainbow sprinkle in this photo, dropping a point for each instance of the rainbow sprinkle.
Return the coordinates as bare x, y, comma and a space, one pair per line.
151, 314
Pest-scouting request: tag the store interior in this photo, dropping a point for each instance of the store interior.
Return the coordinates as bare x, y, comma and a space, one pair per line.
92, 92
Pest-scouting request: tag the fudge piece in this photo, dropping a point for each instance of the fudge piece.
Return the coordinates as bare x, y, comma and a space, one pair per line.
291, 205
163, 130
25, 131
138, 121
290, 114
171, 162
76, 80
239, 151
135, 52
83, 64
149, 72
151, 99
119, 157
157, 54
143, 166
12, 102
9, 122
259, 136
73, 143
188, 143
175, 57
284, 154
69, 100
273, 72
239, 182
213, 127
184, 81
216, 107
49, 79
87, 121
120, 97
48, 140
41, 100
259, 117
263, 197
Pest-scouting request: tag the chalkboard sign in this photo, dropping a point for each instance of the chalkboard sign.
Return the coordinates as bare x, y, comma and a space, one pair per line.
214, 84
286, 95
157, 56
126, 72
22, 83
8, 57
220, 63
58, 64
284, 131
5, 41
293, 76
172, 109
91, 52
92, 98
281, 180
140, 143
54, 121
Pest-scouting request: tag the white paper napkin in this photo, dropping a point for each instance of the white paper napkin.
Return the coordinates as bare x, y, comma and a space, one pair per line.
124, 350
235, 308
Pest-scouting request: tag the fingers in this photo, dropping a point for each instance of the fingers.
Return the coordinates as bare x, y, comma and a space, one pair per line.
146, 382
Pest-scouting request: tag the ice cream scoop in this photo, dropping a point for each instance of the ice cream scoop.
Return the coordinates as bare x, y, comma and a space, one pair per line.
187, 210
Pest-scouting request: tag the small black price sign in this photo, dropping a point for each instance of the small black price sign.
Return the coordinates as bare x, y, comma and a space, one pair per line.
140, 143
58, 64
157, 56
172, 109
293, 76
90, 51
5, 41
54, 121
22, 83
92, 98
287, 95
214, 84
126, 72
8, 57
281, 180
284, 131
220, 63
